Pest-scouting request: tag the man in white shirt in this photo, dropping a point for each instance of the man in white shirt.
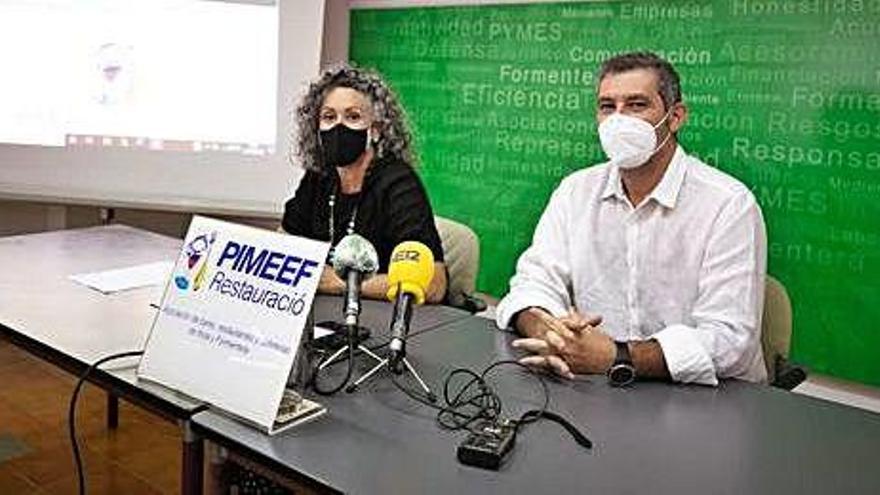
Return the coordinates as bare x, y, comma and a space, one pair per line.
651, 265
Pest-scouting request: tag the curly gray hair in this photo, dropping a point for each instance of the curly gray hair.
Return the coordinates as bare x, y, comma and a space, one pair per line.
394, 140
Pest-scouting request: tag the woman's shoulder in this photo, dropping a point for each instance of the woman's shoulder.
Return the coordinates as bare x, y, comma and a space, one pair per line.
390, 171
316, 176
311, 186
314, 180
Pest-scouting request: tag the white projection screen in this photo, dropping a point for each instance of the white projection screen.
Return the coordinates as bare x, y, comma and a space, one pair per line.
180, 105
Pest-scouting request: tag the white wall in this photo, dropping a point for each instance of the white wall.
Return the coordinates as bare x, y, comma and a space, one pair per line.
21, 217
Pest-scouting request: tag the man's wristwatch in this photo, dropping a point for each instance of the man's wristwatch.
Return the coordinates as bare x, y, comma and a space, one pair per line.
622, 372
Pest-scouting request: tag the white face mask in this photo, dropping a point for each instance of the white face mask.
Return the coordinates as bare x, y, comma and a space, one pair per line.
629, 141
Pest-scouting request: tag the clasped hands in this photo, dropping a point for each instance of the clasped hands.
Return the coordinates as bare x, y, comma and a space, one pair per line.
564, 346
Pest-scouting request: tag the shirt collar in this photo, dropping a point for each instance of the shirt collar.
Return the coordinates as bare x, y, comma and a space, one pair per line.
613, 186
665, 193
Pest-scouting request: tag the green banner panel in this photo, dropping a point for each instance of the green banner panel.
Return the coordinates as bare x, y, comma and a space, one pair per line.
783, 94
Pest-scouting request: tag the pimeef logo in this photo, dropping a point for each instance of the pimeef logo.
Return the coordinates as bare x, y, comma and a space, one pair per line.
196, 253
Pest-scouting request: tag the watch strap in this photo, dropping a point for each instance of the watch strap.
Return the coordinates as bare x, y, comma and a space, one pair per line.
623, 355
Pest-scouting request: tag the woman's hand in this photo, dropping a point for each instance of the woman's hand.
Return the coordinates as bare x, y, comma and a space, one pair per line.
376, 287
330, 283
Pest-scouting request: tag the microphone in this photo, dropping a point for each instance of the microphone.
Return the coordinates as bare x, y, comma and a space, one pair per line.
354, 260
409, 274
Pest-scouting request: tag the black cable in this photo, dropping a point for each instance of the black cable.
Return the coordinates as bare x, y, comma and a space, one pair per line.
352, 345
71, 413
475, 400
534, 415
475, 403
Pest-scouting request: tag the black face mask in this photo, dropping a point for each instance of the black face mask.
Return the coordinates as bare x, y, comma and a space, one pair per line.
342, 145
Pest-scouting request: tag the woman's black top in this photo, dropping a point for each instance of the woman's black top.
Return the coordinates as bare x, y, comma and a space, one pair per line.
392, 207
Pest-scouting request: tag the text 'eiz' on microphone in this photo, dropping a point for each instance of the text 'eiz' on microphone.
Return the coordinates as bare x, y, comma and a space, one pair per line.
409, 274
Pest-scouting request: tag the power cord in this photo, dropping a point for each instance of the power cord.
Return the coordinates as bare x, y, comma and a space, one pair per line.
474, 401
476, 407
71, 413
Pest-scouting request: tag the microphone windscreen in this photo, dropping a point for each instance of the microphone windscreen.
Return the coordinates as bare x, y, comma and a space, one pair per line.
355, 253
410, 271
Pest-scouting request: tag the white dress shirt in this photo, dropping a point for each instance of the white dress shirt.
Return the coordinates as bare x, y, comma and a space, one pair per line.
685, 267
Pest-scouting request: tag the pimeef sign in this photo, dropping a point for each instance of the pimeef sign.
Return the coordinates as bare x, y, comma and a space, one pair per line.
232, 315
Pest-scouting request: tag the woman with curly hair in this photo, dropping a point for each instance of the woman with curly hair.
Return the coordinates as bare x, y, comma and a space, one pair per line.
354, 144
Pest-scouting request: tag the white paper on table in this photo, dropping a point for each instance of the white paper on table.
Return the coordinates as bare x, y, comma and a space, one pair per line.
110, 281
322, 332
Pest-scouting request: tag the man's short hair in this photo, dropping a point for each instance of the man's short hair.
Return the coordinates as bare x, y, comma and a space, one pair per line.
667, 77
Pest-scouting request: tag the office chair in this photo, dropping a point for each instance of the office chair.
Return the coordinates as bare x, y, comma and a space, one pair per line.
776, 337
461, 254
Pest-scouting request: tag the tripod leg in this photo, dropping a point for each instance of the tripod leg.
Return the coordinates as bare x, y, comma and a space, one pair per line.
370, 353
418, 378
332, 358
366, 376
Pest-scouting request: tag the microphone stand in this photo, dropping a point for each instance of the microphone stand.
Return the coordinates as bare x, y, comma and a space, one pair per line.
385, 363
352, 312
397, 349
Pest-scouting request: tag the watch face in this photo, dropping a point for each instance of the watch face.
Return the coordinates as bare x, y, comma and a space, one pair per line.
621, 374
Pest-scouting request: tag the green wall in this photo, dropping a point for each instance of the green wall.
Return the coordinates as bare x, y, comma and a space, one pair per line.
784, 95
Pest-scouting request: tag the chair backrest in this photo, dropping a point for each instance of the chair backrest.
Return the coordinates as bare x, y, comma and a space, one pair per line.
461, 253
775, 324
